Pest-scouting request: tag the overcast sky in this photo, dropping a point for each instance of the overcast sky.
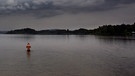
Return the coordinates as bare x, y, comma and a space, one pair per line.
67, 14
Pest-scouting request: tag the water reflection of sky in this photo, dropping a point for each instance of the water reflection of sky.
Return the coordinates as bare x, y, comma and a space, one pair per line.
66, 55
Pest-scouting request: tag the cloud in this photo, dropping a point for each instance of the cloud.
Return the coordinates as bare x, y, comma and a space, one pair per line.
49, 8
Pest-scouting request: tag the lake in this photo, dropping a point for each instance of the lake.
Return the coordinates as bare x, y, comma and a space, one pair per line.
67, 55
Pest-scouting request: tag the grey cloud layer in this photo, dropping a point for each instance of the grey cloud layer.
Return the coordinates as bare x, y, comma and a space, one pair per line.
48, 8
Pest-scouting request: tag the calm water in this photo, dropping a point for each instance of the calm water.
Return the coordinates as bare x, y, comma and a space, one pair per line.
67, 55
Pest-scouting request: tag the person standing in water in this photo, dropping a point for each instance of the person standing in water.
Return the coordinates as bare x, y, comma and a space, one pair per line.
28, 46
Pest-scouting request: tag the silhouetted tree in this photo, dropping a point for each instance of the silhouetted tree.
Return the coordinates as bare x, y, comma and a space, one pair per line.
115, 30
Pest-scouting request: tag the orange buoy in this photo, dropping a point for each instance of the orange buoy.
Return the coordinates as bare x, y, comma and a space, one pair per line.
28, 46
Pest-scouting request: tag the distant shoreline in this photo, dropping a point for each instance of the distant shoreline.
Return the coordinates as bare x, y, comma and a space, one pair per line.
107, 30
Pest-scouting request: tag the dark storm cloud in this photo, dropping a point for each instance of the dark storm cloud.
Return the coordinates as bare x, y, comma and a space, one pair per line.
110, 4
49, 8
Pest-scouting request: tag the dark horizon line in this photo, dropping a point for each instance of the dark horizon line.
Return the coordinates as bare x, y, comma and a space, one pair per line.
66, 28
123, 29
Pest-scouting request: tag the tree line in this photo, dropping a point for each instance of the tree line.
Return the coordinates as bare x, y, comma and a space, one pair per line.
109, 30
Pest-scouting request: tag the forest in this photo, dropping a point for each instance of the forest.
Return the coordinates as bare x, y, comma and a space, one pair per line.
108, 30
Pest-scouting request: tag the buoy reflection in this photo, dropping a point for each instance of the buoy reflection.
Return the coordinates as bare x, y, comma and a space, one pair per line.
28, 54
28, 46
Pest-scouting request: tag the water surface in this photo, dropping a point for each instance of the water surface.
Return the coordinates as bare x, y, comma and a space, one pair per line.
63, 55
